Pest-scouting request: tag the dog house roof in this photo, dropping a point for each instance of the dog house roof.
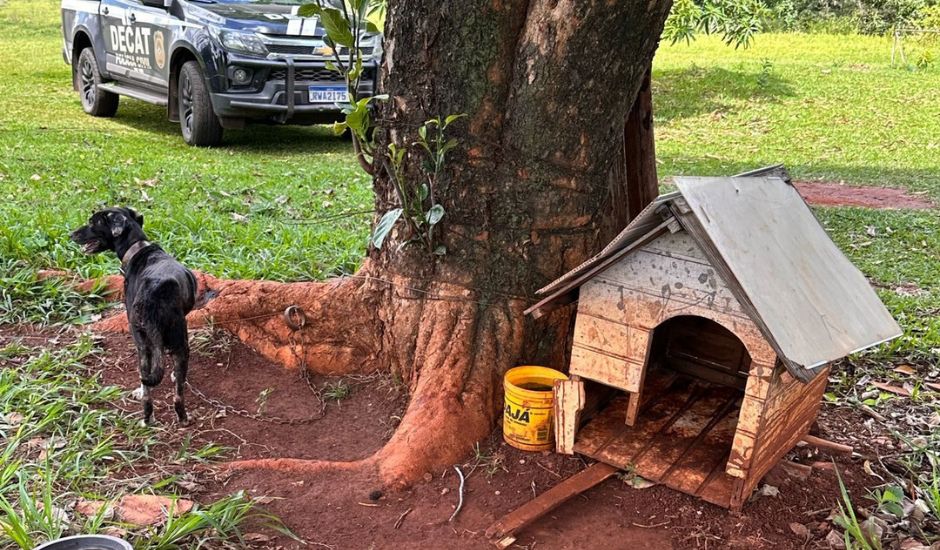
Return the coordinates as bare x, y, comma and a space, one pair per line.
810, 302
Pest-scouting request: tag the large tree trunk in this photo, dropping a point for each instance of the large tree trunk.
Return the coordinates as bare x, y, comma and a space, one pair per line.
547, 85
541, 181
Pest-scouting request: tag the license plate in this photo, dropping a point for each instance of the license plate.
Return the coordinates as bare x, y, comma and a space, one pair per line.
327, 94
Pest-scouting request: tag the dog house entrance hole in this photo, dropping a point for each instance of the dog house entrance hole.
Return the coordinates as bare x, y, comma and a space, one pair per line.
699, 348
696, 372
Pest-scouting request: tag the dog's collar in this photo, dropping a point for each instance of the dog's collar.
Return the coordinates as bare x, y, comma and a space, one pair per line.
132, 251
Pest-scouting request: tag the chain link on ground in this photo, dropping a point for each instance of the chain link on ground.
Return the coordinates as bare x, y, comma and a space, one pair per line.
296, 320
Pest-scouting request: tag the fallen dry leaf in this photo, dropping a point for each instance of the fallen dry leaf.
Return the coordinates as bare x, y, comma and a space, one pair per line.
257, 537
905, 369
800, 530
913, 544
89, 507
897, 390
835, 540
867, 467
932, 385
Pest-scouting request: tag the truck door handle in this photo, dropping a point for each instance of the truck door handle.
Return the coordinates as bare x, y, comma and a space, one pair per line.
132, 18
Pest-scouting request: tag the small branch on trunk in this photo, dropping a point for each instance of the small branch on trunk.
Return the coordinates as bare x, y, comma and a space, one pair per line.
368, 167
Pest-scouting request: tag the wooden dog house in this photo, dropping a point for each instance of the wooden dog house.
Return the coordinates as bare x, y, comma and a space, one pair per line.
715, 313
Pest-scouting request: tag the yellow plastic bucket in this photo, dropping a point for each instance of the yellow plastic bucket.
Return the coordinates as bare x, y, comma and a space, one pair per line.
527, 416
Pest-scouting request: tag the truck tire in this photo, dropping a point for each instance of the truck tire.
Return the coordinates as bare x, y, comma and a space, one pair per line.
198, 122
95, 102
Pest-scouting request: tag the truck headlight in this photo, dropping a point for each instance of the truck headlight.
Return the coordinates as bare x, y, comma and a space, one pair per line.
244, 42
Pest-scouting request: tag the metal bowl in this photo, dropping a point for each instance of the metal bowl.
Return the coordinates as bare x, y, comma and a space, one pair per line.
86, 542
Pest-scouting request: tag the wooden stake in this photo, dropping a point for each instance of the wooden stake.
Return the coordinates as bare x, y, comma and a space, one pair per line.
503, 532
826, 445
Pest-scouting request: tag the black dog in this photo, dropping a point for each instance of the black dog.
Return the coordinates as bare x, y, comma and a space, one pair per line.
158, 293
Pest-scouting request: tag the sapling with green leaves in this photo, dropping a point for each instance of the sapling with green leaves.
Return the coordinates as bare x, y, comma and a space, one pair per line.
347, 26
419, 199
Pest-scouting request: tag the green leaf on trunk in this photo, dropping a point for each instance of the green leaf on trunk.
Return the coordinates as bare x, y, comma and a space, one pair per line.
384, 226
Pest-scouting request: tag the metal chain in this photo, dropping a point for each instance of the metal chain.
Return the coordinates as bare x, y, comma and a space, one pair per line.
296, 320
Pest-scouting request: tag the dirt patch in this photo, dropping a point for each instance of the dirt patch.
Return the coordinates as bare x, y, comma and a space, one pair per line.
344, 511
262, 410
836, 194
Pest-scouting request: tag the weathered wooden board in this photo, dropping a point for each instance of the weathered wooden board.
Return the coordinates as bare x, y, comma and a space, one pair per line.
519, 518
600, 367
566, 287
656, 384
788, 414
663, 273
569, 402
682, 438
639, 154
817, 306
643, 227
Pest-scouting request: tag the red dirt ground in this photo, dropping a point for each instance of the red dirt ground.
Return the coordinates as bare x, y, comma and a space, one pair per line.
336, 511
836, 194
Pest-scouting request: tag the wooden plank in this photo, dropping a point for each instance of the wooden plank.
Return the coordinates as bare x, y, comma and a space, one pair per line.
601, 367
675, 441
671, 277
569, 401
655, 385
817, 306
788, 415
603, 301
610, 336
705, 455
545, 305
717, 488
639, 152
526, 514
680, 245
681, 438
595, 435
628, 444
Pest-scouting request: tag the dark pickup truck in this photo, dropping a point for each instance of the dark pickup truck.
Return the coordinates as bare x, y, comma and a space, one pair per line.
214, 64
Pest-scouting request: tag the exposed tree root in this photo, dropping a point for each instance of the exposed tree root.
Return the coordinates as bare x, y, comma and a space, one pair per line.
334, 328
301, 466
462, 347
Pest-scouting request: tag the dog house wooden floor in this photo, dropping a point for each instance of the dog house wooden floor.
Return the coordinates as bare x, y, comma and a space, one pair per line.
681, 439
688, 414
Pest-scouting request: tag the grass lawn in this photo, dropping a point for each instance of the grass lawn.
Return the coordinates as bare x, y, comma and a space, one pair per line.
829, 107
273, 202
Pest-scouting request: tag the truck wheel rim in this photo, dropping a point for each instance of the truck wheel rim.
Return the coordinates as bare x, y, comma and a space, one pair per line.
186, 104
89, 89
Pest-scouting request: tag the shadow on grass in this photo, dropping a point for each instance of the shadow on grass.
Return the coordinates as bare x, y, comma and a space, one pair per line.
254, 138
693, 91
